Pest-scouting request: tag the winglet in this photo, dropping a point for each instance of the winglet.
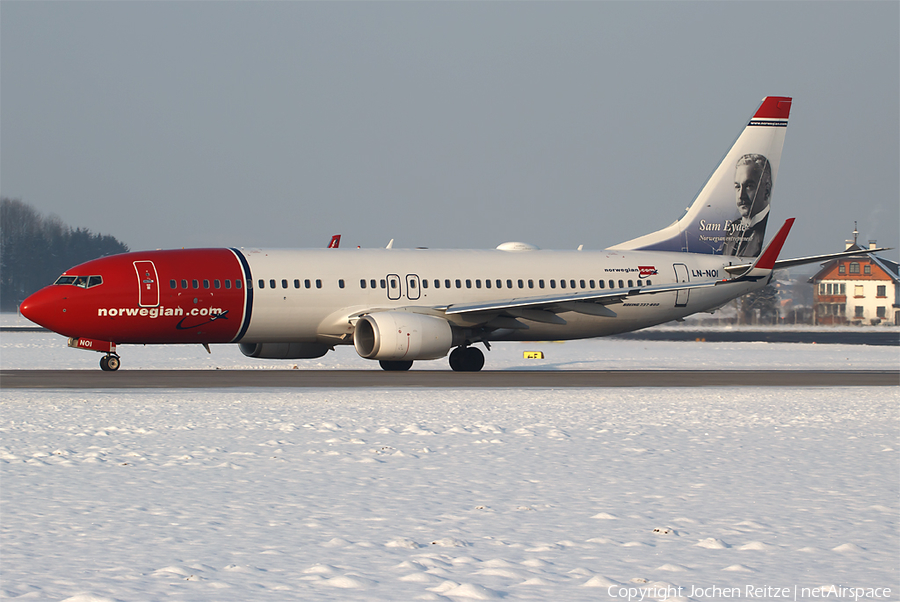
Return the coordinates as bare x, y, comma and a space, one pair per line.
768, 257
765, 263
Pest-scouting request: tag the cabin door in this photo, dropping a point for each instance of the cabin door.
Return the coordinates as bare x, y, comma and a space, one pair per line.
148, 284
681, 275
394, 289
412, 287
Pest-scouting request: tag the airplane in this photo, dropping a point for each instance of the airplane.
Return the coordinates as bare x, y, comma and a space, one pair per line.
335, 242
398, 306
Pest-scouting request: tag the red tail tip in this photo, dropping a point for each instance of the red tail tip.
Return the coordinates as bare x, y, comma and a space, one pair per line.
774, 107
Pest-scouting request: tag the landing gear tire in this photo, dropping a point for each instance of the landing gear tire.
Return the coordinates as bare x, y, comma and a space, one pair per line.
466, 359
398, 366
109, 363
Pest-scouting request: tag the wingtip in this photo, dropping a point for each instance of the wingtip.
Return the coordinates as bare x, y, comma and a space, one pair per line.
769, 256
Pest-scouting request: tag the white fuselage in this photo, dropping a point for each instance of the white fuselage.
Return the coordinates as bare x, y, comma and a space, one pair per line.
317, 294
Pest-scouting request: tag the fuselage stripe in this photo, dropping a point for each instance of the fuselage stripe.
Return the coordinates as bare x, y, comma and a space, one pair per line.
248, 294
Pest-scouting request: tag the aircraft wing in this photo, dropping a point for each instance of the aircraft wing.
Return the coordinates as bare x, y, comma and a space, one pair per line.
787, 263
543, 308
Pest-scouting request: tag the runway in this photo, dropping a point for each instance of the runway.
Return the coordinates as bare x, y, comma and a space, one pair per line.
441, 379
861, 336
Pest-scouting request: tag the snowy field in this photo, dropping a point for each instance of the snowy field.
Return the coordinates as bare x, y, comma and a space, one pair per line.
30, 350
513, 494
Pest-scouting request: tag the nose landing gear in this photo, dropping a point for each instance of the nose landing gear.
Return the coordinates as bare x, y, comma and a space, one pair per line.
110, 363
466, 359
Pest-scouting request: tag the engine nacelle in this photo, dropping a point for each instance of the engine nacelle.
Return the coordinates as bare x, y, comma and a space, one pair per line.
284, 351
401, 335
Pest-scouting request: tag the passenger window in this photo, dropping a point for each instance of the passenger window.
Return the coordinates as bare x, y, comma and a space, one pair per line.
262, 283
318, 283
205, 283
562, 284
630, 283
424, 283
612, 284
487, 283
592, 284
468, 283
306, 283
271, 283
217, 283
552, 283
446, 283
458, 283
572, 283
477, 283
362, 283
341, 283
284, 283
383, 283
296, 283
393, 283
237, 283
640, 283
437, 283
521, 283
621, 284
649, 283
184, 284
227, 283
173, 284
601, 283
372, 283
531, 284
582, 284
412, 284
541, 283
195, 283
509, 284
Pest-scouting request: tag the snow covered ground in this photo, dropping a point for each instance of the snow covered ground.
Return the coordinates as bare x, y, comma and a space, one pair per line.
515, 494
30, 350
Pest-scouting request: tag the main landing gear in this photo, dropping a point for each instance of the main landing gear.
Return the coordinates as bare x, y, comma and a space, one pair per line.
466, 359
462, 359
110, 363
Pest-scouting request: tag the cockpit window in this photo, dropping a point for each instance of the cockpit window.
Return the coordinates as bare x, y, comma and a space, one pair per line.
82, 281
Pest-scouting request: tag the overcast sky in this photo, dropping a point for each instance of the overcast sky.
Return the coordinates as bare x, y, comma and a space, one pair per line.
440, 124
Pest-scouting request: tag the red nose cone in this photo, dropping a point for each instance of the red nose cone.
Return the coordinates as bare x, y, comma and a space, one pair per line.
45, 307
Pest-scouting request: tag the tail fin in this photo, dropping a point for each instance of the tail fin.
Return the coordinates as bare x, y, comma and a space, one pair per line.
335, 242
728, 216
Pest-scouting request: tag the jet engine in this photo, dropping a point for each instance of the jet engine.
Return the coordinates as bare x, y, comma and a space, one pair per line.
284, 351
400, 335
